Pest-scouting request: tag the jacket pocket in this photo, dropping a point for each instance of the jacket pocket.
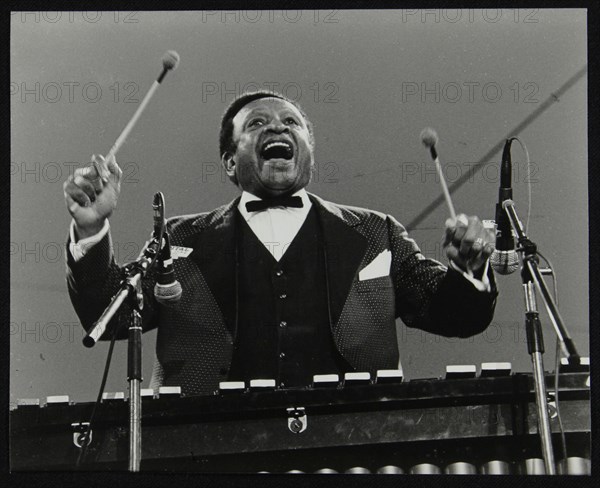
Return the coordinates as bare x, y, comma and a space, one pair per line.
373, 285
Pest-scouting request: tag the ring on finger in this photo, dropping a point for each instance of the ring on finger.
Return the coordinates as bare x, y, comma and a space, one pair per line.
100, 170
97, 168
98, 181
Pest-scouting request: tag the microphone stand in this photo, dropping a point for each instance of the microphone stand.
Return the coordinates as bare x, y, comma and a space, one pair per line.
532, 278
131, 289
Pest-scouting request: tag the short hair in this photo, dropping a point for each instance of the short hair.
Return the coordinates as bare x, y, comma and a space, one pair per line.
226, 143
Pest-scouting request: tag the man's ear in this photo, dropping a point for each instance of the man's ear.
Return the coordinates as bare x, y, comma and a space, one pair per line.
228, 164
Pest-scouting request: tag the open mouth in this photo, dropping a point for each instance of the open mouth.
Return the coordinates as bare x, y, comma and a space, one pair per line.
277, 150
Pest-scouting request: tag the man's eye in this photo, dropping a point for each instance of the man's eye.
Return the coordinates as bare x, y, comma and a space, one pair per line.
255, 123
291, 120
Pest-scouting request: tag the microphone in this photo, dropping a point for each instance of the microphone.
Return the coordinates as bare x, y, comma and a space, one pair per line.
136, 270
504, 259
167, 289
158, 205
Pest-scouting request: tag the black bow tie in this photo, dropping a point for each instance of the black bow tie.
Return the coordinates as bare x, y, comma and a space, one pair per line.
258, 205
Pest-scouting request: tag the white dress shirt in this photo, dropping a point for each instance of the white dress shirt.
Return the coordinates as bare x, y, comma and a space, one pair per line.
276, 227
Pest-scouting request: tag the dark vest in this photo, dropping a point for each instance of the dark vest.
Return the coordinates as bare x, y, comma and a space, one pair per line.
283, 328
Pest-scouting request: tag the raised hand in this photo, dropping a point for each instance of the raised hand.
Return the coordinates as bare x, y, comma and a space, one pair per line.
90, 198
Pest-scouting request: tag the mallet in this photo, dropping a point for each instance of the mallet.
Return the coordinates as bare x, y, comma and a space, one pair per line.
170, 60
429, 138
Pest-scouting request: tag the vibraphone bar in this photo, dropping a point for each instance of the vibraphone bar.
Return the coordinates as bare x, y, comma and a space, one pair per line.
457, 425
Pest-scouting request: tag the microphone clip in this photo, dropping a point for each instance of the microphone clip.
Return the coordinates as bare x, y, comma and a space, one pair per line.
528, 248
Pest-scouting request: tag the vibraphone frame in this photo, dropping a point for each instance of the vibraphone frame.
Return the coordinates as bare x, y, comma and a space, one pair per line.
433, 421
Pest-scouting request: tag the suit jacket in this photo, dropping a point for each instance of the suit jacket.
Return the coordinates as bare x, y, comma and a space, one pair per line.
195, 340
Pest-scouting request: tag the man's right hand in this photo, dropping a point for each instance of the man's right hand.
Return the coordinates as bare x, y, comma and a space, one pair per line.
90, 198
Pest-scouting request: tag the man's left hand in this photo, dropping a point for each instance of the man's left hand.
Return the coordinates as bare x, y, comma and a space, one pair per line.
468, 244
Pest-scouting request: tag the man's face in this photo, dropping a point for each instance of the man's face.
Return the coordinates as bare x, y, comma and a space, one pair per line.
274, 154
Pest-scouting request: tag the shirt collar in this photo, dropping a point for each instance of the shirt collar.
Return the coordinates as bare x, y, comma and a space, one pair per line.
249, 197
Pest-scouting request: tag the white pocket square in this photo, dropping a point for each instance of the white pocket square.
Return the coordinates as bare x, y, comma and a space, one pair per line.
380, 266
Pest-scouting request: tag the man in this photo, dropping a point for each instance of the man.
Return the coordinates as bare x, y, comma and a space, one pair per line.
280, 283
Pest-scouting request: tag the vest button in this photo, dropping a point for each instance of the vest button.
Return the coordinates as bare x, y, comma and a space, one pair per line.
282, 355
279, 273
283, 295
283, 323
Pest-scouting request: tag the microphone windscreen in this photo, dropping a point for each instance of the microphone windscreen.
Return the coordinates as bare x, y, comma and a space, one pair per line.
168, 294
504, 262
429, 137
170, 60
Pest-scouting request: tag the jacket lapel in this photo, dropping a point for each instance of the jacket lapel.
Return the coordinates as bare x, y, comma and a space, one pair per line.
346, 248
214, 253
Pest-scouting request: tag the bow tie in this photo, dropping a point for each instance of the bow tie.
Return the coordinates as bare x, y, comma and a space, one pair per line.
258, 205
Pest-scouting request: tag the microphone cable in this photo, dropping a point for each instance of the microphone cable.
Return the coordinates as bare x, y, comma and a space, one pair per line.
85, 436
528, 162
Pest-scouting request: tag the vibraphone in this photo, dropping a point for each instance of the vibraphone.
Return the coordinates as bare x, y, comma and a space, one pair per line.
461, 424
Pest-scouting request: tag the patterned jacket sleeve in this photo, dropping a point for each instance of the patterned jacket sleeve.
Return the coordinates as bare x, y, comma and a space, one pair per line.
94, 279
431, 297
